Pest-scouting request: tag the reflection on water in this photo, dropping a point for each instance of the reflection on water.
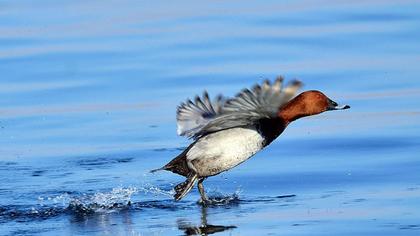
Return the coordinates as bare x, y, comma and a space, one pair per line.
121, 220
203, 228
105, 223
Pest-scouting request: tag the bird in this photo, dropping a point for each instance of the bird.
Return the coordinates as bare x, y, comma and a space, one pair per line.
228, 131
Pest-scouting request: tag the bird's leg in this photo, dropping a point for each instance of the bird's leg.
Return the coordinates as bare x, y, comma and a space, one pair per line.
204, 198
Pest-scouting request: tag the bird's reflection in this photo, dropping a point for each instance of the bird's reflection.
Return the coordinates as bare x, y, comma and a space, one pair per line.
204, 228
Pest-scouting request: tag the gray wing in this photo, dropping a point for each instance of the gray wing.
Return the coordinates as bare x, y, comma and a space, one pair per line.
193, 116
247, 107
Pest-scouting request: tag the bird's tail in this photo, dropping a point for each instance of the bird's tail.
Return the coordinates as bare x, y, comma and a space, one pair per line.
178, 165
183, 188
159, 169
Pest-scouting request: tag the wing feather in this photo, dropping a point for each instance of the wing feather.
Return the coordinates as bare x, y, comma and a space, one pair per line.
204, 116
192, 116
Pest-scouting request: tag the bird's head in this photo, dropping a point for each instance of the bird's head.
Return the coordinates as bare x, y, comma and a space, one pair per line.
308, 103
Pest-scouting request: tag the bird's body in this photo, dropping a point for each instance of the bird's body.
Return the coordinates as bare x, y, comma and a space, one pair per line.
229, 132
223, 150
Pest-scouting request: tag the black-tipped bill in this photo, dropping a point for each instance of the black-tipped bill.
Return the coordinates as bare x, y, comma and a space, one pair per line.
334, 106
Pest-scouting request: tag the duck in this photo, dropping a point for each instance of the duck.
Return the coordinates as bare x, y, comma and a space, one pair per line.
228, 131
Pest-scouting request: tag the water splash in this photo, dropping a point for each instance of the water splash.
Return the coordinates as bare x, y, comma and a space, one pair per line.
116, 199
61, 200
220, 199
155, 190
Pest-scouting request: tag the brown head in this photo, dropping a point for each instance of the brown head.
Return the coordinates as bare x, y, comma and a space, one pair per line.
308, 103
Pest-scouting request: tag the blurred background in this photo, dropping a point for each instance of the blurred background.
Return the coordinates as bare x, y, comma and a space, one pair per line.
88, 94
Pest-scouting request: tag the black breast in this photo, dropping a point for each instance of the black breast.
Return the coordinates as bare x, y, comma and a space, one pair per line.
270, 129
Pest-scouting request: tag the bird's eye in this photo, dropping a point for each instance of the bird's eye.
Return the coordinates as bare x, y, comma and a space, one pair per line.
332, 103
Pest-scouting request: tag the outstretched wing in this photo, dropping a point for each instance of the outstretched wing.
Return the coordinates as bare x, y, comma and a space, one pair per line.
193, 116
246, 108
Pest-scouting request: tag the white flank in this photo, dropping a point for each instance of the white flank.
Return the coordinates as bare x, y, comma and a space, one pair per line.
223, 150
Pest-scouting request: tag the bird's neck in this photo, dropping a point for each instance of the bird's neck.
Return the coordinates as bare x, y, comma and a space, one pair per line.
271, 129
293, 111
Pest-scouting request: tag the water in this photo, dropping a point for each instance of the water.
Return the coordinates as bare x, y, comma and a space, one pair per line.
88, 97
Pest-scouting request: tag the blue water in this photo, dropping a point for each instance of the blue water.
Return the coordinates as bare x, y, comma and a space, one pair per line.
89, 89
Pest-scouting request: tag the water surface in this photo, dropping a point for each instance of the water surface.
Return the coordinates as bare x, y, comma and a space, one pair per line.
88, 97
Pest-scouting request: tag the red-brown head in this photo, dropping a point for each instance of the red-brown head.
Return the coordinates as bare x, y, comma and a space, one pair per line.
306, 104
